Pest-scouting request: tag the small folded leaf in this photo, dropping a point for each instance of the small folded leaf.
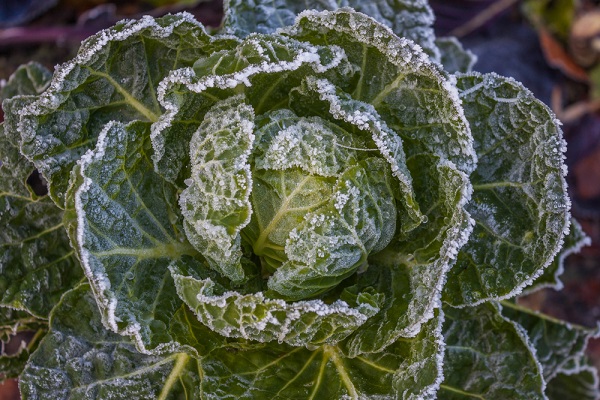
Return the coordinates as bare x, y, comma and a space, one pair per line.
254, 316
579, 384
113, 77
488, 357
520, 202
453, 57
407, 369
558, 344
29, 79
216, 204
129, 229
79, 358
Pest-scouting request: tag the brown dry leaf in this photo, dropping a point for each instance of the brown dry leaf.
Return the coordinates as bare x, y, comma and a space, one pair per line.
557, 57
583, 40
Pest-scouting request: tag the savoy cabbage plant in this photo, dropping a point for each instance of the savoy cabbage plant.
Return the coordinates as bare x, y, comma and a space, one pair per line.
321, 204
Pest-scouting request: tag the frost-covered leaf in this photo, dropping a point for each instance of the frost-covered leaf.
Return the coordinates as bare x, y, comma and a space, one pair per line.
256, 317
113, 77
453, 57
574, 241
216, 204
332, 242
410, 274
412, 19
265, 68
558, 344
37, 263
79, 358
129, 229
488, 357
407, 369
579, 384
410, 95
520, 201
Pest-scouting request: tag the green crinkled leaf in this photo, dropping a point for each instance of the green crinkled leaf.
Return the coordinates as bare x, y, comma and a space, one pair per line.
113, 77
412, 19
79, 358
265, 68
488, 357
409, 93
37, 263
129, 229
580, 384
407, 369
453, 56
520, 201
321, 97
557, 343
332, 242
410, 274
216, 204
574, 241
256, 317
29, 79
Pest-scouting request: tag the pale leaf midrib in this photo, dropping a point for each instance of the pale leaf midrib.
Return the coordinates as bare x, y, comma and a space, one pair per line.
260, 242
333, 355
463, 393
180, 363
135, 103
163, 250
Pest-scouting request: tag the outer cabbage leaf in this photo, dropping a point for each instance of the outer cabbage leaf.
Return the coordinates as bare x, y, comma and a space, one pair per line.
79, 358
129, 229
407, 369
36, 261
412, 19
558, 344
520, 201
574, 241
488, 357
113, 77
